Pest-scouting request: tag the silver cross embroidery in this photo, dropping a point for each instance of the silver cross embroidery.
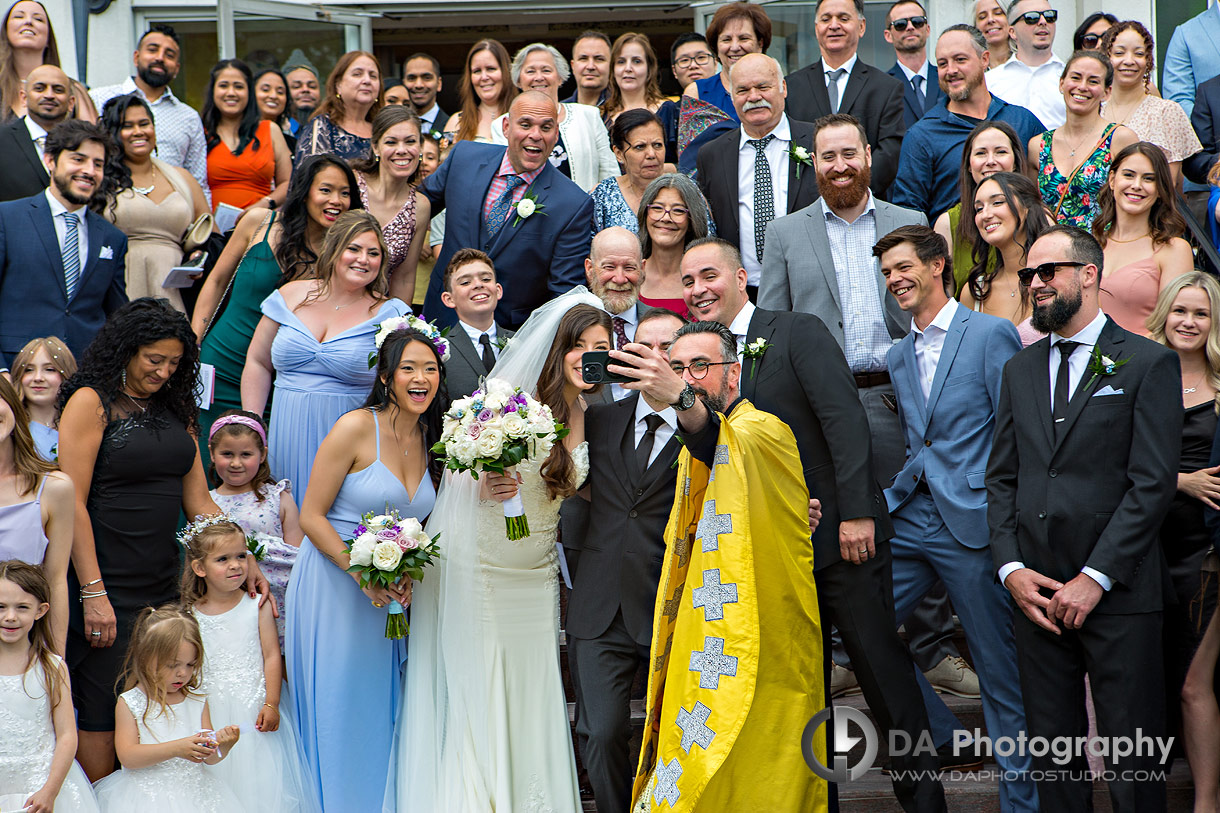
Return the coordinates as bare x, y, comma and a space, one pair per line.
721, 458
667, 776
713, 595
686, 487
694, 727
712, 525
712, 664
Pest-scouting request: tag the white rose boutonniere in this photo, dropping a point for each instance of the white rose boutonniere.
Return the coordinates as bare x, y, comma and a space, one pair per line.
527, 207
801, 157
754, 351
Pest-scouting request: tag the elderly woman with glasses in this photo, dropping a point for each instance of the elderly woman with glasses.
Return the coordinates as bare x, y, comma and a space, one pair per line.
672, 213
583, 151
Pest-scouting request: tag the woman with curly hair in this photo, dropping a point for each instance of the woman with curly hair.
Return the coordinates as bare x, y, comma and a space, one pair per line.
633, 77
485, 91
127, 439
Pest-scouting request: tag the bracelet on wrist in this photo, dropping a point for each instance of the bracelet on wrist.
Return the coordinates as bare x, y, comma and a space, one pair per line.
98, 594
85, 587
273, 708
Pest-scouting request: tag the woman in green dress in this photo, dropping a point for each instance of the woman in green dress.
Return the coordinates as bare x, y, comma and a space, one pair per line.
266, 249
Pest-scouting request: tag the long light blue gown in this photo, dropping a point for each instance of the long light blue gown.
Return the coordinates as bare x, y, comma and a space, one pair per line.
344, 673
315, 383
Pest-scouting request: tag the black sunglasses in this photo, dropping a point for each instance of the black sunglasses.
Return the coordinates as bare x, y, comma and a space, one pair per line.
1046, 271
1089, 41
916, 22
1031, 17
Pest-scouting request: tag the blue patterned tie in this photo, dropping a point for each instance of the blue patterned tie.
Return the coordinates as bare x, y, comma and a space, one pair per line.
71, 254
502, 205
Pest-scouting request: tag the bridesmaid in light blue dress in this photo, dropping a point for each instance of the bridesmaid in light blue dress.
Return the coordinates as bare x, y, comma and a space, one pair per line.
345, 675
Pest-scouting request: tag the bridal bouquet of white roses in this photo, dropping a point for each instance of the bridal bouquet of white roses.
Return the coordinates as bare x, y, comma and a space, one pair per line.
386, 548
493, 429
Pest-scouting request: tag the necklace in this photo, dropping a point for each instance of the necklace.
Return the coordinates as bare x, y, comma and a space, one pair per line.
1076, 146
144, 190
1132, 240
1130, 108
1198, 381
136, 400
353, 302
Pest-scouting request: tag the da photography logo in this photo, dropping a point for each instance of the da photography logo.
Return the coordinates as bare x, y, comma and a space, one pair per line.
844, 719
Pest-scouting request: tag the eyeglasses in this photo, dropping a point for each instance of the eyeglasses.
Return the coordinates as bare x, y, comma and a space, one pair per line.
1031, 17
1089, 41
656, 211
698, 369
1046, 272
916, 22
702, 60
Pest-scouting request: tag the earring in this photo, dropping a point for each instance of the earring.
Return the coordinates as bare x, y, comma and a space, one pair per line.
124, 379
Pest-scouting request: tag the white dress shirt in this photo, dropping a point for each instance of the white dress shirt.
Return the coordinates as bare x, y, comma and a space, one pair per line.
429, 117
1035, 89
474, 333
929, 342
36, 132
842, 81
910, 74
1077, 363
741, 327
664, 432
777, 158
631, 321
58, 210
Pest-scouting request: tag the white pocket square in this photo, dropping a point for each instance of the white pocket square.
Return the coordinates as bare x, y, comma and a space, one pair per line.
105, 253
1107, 390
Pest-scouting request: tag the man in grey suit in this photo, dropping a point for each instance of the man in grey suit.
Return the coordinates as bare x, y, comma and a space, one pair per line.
470, 288
822, 263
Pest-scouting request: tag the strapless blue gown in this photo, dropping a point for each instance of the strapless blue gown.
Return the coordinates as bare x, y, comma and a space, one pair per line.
344, 673
315, 383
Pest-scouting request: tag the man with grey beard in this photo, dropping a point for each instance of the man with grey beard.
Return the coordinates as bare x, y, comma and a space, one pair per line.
615, 271
750, 175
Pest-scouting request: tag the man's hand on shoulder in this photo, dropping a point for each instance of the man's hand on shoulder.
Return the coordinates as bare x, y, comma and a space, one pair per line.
1073, 602
1025, 585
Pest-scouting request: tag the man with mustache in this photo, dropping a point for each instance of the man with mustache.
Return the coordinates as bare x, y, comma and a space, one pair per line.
48, 101
180, 138
749, 175
303, 82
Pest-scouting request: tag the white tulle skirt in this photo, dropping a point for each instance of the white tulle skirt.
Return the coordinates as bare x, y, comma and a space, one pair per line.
174, 786
75, 796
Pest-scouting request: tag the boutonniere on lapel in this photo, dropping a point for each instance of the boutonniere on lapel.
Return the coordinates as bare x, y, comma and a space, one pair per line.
1102, 365
800, 156
502, 342
754, 351
527, 207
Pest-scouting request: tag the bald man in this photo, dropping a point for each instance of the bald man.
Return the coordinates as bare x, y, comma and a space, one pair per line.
48, 98
748, 175
534, 223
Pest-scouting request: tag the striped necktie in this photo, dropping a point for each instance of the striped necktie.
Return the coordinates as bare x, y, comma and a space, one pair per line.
71, 253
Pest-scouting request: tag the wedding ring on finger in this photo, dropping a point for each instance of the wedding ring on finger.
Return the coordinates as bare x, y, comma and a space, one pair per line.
377, 604
96, 634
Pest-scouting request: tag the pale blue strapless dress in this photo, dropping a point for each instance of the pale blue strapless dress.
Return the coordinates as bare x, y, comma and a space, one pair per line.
344, 673
315, 383
21, 532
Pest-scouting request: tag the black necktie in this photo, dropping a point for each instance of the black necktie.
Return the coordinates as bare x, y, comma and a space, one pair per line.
644, 450
489, 358
764, 199
1062, 383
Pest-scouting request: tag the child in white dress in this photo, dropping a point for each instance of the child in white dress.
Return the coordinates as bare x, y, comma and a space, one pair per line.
163, 728
38, 771
243, 670
251, 497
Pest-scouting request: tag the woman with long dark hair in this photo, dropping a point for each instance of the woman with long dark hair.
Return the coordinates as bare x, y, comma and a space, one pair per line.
274, 103
638, 140
27, 41
342, 123
634, 77
248, 159
485, 91
152, 202
127, 437
376, 458
267, 249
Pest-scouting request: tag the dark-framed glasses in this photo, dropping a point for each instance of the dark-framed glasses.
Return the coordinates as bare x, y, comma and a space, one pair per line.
915, 22
657, 211
1046, 272
1031, 17
701, 59
698, 369
1089, 42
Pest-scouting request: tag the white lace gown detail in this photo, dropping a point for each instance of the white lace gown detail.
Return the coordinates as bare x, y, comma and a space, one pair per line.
27, 746
175, 785
266, 768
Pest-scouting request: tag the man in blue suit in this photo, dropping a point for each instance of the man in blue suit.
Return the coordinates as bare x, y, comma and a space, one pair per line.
1193, 57
62, 267
946, 375
906, 28
510, 203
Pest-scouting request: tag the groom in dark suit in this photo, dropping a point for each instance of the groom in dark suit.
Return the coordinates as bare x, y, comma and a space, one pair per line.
1082, 470
509, 202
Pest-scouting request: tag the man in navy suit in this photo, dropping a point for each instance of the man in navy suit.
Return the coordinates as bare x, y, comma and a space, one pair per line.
906, 28
509, 202
62, 267
946, 374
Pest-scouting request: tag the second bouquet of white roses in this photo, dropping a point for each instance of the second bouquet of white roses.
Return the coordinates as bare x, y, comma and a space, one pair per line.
386, 548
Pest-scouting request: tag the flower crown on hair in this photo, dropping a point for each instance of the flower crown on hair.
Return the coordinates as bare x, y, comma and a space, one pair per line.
202, 521
410, 322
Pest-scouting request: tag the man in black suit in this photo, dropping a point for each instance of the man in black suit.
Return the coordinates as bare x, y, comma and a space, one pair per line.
632, 449
749, 175
1082, 471
840, 83
476, 340
799, 374
421, 75
48, 99
906, 28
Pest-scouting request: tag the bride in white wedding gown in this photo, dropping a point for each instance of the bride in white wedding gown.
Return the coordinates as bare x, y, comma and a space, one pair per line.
484, 726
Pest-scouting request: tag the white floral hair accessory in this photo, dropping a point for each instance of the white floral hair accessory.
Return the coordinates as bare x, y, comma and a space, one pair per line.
202, 521
410, 322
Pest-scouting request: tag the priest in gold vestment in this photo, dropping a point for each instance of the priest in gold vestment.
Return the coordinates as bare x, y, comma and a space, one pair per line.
737, 642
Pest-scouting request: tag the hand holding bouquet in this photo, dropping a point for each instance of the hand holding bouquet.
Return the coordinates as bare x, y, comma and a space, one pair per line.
494, 429
386, 548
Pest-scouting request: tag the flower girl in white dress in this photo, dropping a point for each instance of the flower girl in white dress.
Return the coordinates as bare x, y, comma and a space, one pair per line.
163, 729
37, 728
242, 669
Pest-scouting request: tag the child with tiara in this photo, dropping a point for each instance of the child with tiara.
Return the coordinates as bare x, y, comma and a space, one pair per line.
250, 496
242, 670
38, 771
163, 727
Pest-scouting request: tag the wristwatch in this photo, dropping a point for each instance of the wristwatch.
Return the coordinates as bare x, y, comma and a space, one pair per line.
686, 399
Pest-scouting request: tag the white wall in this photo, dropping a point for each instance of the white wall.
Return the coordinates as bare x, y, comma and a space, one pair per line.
112, 40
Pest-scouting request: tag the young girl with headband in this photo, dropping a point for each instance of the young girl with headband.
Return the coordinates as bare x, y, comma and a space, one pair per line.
249, 495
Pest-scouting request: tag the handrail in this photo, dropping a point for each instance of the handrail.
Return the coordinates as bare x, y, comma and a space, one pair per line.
1207, 258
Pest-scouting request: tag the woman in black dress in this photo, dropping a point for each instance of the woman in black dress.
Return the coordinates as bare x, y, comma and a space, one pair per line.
127, 441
